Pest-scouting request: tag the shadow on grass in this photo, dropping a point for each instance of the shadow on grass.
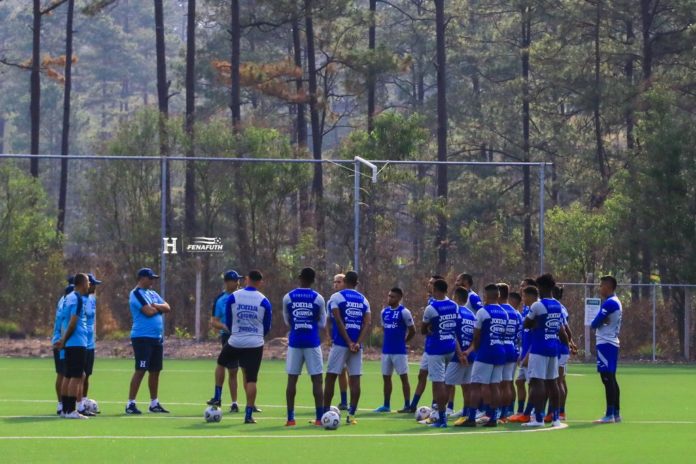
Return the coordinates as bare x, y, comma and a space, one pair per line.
29, 419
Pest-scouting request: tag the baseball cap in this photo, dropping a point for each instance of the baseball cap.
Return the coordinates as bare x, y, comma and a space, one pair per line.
69, 289
232, 275
147, 272
93, 280
308, 274
71, 280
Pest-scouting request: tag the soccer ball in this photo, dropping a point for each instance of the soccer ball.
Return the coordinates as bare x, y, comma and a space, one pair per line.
423, 413
92, 406
212, 414
434, 415
330, 420
336, 410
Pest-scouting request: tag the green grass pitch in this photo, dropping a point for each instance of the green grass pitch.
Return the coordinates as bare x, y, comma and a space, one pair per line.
658, 408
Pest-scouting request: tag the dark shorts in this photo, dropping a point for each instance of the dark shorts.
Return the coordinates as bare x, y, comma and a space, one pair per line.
248, 359
74, 361
607, 358
89, 361
59, 363
233, 364
148, 353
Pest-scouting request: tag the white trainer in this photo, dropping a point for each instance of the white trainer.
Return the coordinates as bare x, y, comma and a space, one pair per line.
533, 423
75, 415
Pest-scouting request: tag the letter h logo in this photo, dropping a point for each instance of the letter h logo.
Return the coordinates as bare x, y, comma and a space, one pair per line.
169, 246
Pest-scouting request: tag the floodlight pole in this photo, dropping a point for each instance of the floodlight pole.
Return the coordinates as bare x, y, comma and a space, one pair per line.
356, 208
163, 227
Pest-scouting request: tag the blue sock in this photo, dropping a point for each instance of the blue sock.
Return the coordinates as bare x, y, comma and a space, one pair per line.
528, 409
555, 415
387, 403
511, 408
442, 417
465, 411
291, 414
450, 405
344, 397
407, 404
352, 409
472, 414
416, 399
247, 412
489, 411
218, 393
617, 413
539, 416
520, 407
319, 412
610, 410
562, 410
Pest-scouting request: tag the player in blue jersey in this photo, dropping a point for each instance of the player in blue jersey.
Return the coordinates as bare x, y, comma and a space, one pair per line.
91, 313
304, 312
351, 322
545, 320
458, 372
487, 370
607, 325
397, 324
74, 340
512, 331
564, 356
338, 284
219, 322
59, 355
530, 295
440, 323
249, 314
423, 368
147, 337
473, 300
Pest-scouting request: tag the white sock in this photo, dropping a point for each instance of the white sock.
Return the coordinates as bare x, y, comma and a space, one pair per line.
234, 402
154, 402
131, 402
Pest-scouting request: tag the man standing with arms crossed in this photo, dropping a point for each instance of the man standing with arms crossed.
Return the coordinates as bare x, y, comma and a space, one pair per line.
351, 321
147, 337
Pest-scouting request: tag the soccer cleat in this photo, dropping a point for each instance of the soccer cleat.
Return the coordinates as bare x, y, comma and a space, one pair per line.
617, 418
503, 420
480, 414
483, 419
234, 407
605, 420
59, 412
158, 409
533, 423
350, 420
548, 418
291, 423
426, 421
316, 422
214, 402
343, 407
515, 418
460, 421
404, 410
562, 416
438, 425
256, 409
556, 423
491, 423
249, 420
133, 409
465, 423
86, 413
449, 412
382, 409
75, 415
455, 414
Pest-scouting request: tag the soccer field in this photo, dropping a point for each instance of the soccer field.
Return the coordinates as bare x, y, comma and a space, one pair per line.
657, 407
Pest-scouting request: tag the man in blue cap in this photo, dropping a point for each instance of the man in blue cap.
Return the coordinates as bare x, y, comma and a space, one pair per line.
91, 313
147, 309
220, 321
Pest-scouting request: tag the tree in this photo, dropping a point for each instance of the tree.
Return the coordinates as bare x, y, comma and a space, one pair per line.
442, 121
163, 105
190, 188
65, 136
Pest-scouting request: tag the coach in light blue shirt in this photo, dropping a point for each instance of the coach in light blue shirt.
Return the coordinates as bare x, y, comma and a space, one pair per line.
147, 309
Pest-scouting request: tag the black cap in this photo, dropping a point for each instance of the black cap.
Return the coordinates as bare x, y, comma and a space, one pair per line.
147, 272
308, 274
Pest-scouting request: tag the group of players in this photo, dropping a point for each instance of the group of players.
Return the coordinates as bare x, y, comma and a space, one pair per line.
478, 345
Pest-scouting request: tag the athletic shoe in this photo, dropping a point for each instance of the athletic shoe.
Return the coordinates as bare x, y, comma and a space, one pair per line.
515, 418
426, 421
405, 410
556, 423
465, 423
533, 423
256, 409
460, 421
480, 414
503, 420
455, 414
316, 422
548, 418
438, 425
344, 407
449, 412
214, 402
350, 420
86, 413
75, 415
562, 416
605, 420
133, 409
617, 418
483, 419
250, 420
59, 412
291, 423
491, 423
382, 409
234, 407
158, 409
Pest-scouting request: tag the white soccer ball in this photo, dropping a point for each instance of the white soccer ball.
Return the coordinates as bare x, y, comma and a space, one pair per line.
92, 406
336, 410
423, 413
330, 420
212, 414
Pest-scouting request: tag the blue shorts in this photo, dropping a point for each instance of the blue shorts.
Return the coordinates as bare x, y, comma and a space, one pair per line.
607, 358
148, 353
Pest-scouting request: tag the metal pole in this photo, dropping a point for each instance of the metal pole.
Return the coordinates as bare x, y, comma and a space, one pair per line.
654, 322
199, 280
541, 218
588, 355
687, 324
356, 213
163, 228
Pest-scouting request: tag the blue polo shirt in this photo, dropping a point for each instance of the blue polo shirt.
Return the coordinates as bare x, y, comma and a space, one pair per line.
74, 305
145, 326
219, 311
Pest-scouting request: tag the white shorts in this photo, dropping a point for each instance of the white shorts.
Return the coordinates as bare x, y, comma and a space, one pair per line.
563, 360
522, 374
296, 357
486, 374
394, 362
509, 371
542, 367
341, 357
437, 365
458, 374
424, 362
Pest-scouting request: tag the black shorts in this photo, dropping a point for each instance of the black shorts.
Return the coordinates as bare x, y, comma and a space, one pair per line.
249, 359
234, 363
74, 361
89, 361
59, 363
148, 354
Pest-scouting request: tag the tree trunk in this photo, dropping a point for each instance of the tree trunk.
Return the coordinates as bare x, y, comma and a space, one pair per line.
35, 87
190, 188
235, 94
441, 63
2, 134
596, 102
301, 124
647, 18
163, 104
65, 136
371, 78
526, 179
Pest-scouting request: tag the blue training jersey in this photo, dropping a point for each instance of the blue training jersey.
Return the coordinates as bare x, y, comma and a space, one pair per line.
492, 321
250, 316
91, 313
74, 305
473, 302
443, 316
219, 310
352, 307
512, 330
395, 322
465, 329
544, 336
58, 321
145, 326
525, 340
611, 313
563, 348
304, 311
